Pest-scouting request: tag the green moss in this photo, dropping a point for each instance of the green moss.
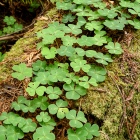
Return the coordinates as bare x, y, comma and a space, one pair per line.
105, 101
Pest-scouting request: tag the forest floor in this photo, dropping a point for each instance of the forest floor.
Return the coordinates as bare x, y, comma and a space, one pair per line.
123, 81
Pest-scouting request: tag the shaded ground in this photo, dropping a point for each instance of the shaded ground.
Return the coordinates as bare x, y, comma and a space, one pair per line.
23, 15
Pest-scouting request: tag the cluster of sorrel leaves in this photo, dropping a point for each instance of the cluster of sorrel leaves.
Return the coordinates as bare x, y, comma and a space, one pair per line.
73, 61
10, 27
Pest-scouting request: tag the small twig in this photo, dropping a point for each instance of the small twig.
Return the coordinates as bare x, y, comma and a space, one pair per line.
11, 36
131, 94
1, 4
133, 129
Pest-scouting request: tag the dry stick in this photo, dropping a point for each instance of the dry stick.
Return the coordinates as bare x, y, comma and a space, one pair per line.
11, 36
132, 92
133, 129
134, 123
124, 117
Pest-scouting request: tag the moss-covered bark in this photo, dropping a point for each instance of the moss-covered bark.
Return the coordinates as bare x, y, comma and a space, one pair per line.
106, 103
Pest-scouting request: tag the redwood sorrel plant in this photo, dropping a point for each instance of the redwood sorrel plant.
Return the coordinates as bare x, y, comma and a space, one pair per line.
73, 45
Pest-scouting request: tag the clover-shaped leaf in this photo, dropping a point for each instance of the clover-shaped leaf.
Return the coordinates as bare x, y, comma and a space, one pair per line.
114, 48
57, 75
50, 124
92, 130
26, 125
82, 11
81, 21
100, 33
85, 41
55, 24
42, 78
110, 13
62, 112
80, 1
71, 77
43, 117
3, 131
24, 105
48, 53
94, 25
135, 9
22, 71
5, 117
66, 50
75, 56
80, 51
76, 119
90, 53
103, 59
135, 23
28, 106
138, 1
50, 34
116, 24
53, 31
41, 102
93, 15
59, 108
80, 64
85, 81
35, 88
17, 27
97, 73
63, 5
74, 91
53, 92
14, 133
29, 126
76, 135
99, 40
9, 20
40, 45
8, 30
124, 3
100, 4
12, 118
20, 104
75, 29
48, 39
68, 41
68, 18
43, 133
39, 65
